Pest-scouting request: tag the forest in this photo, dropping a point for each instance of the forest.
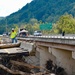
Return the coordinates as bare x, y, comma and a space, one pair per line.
60, 13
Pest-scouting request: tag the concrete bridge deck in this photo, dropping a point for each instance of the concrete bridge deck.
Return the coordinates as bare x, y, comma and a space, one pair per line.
60, 49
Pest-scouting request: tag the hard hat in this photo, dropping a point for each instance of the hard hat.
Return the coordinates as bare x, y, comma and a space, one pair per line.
12, 28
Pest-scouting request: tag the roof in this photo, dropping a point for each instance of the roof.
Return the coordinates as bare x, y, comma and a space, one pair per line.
23, 31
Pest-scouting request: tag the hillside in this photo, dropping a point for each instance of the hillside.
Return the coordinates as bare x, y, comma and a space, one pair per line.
44, 10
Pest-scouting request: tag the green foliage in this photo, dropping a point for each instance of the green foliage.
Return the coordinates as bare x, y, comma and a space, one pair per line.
45, 10
66, 23
33, 21
35, 27
16, 27
41, 11
29, 28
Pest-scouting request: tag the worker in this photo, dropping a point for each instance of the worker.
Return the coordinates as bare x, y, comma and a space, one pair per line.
63, 33
13, 36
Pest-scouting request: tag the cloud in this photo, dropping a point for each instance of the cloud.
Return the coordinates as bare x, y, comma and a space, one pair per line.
9, 6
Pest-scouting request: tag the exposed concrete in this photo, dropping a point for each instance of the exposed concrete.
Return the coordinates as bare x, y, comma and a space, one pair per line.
73, 54
53, 39
60, 50
62, 58
57, 45
45, 56
27, 46
30, 47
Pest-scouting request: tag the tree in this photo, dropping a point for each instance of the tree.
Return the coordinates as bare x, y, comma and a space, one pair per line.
29, 28
35, 27
66, 23
16, 27
33, 21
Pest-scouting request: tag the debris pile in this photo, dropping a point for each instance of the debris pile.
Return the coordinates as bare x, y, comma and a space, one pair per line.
15, 64
54, 68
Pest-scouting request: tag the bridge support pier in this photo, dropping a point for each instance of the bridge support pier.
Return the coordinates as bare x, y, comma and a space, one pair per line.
60, 57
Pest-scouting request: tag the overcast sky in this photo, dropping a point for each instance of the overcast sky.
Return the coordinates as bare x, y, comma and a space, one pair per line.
9, 6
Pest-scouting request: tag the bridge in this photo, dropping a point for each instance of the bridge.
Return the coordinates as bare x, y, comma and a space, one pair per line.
59, 49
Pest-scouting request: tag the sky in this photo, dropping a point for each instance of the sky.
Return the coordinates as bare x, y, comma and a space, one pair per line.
10, 6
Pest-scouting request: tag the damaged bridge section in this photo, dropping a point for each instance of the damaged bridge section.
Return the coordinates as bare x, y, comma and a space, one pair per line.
57, 54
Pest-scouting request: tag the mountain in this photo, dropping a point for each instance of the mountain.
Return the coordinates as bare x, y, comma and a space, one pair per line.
44, 10
1, 18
